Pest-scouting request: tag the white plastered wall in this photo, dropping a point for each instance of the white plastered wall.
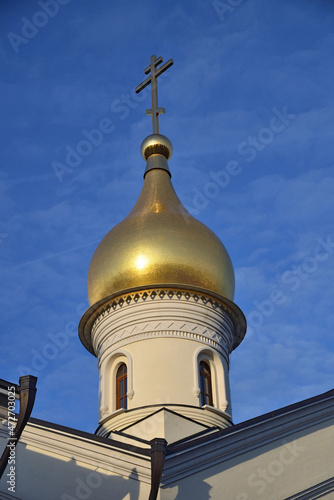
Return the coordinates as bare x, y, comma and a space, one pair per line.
162, 343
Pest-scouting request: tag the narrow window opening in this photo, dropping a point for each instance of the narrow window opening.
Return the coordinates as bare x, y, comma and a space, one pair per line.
121, 387
206, 386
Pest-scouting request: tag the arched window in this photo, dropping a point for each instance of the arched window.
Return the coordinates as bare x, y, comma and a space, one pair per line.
205, 384
121, 387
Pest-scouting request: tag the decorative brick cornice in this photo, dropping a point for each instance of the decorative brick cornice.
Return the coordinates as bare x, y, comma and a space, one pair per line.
227, 310
122, 338
155, 294
162, 313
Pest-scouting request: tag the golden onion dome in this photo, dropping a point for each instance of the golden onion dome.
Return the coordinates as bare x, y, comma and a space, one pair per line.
159, 242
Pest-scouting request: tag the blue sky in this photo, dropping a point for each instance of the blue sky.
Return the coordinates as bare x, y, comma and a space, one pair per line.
249, 110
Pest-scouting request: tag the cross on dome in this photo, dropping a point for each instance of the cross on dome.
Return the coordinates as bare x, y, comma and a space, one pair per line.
155, 111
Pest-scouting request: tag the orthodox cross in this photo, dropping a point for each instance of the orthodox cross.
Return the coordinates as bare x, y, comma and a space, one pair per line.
155, 111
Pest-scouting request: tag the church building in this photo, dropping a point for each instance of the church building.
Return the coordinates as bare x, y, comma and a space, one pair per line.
162, 324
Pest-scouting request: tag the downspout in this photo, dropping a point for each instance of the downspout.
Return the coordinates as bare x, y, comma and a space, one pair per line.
158, 454
27, 392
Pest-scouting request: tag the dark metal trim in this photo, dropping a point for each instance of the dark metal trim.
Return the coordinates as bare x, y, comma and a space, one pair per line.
27, 392
125, 435
192, 437
160, 407
158, 454
80, 435
4, 385
178, 447
157, 155
164, 408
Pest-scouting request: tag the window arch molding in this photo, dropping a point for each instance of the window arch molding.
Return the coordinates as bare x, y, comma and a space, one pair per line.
121, 387
205, 377
209, 356
108, 379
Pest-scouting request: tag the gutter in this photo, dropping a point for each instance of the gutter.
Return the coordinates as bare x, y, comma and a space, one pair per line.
27, 393
158, 454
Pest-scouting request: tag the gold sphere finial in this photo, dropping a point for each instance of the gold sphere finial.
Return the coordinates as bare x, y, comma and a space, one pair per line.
156, 144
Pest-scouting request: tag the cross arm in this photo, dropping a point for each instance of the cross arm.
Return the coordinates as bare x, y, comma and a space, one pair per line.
159, 71
163, 68
142, 85
156, 63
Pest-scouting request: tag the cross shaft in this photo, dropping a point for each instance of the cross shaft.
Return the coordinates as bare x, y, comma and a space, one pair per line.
155, 111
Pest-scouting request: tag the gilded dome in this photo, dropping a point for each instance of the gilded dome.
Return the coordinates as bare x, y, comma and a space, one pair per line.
159, 242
